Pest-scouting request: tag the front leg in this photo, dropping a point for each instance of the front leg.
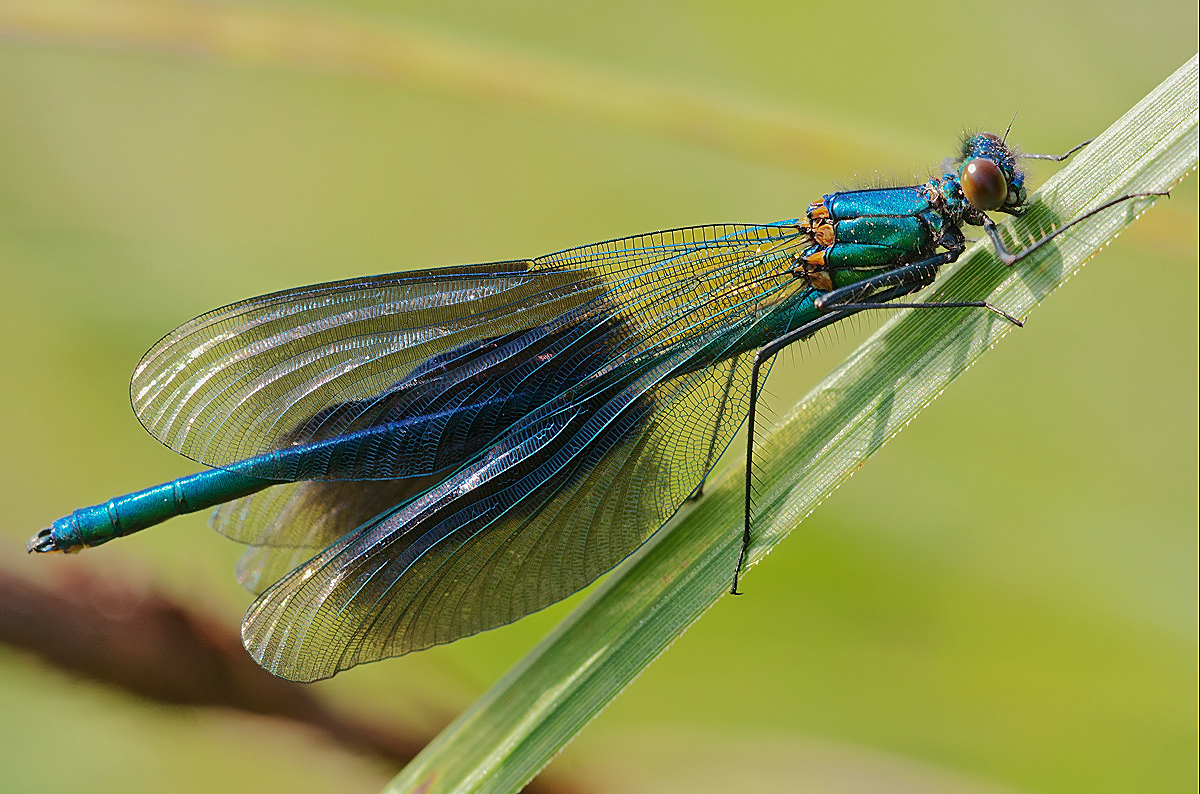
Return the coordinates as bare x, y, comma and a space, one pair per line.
1010, 258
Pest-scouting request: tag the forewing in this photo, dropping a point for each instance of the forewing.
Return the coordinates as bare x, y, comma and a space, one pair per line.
423, 370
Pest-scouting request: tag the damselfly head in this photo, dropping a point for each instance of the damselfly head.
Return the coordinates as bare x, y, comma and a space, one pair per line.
988, 173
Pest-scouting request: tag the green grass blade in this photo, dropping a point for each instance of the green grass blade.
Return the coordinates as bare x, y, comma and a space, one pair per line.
516, 728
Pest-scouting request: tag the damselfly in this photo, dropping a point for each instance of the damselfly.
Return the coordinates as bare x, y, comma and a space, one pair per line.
416, 457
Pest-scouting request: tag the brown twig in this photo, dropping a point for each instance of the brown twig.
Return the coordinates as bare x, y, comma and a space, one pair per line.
150, 646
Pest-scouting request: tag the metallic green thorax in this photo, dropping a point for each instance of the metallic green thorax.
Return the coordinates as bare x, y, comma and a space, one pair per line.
859, 232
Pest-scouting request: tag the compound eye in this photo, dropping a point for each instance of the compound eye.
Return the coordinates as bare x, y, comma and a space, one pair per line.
984, 184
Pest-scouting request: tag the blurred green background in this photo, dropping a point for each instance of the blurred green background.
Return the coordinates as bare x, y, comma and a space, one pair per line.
1003, 600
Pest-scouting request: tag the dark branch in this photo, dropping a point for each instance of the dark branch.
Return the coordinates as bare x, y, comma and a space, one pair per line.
156, 649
